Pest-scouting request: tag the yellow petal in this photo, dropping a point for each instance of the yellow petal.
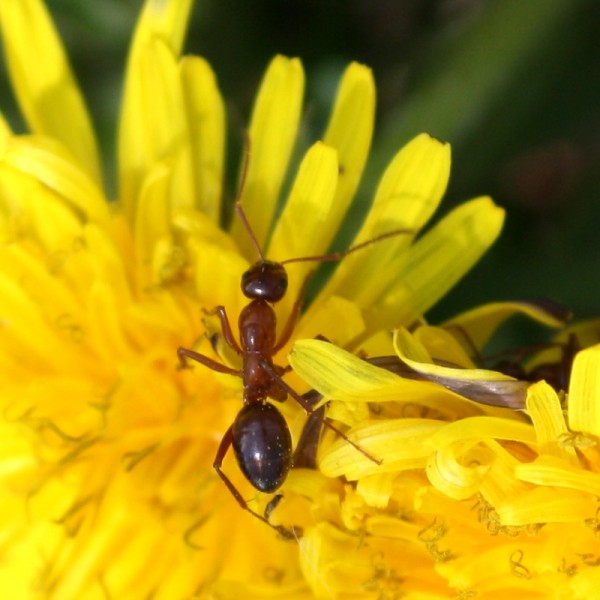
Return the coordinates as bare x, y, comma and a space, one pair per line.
272, 133
336, 373
400, 444
161, 131
38, 212
545, 411
469, 460
376, 490
471, 464
410, 349
584, 392
500, 486
337, 319
481, 322
411, 187
152, 220
546, 505
108, 263
447, 471
21, 315
106, 333
355, 103
443, 346
551, 472
484, 427
45, 162
34, 276
206, 122
409, 192
165, 20
152, 118
339, 375
335, 566
304, 227
44, 84
437, 261
215, 263
480, 385
588, 581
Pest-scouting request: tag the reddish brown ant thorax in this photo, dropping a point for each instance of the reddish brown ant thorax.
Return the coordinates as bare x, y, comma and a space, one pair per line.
257, 323
265, 280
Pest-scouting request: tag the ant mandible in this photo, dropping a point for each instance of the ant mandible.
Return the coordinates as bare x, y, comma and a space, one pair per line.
259, 435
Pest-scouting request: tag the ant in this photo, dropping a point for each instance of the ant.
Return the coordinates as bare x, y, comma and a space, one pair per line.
557, 373
259, 435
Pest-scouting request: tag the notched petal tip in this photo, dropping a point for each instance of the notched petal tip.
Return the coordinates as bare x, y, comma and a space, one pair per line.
437, 139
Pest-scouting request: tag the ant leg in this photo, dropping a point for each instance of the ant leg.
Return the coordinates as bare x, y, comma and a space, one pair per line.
288, 329
184, 354
305, 455
226, 328
272, 504
309, 408
221, 452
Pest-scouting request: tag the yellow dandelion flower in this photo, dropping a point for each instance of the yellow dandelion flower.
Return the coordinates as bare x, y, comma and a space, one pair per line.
471, 499
108, 489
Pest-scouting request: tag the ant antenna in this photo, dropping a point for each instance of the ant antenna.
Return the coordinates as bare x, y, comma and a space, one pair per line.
335, 256
242, 215
238, 205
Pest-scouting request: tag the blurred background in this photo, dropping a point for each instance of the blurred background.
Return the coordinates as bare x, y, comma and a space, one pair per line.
514, 86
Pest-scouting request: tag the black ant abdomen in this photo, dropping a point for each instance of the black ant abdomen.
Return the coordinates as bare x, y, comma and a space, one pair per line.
262, 445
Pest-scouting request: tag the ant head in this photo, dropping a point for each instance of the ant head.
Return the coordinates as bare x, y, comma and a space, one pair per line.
265, 280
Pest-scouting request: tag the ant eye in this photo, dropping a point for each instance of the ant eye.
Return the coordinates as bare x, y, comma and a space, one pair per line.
266, 280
